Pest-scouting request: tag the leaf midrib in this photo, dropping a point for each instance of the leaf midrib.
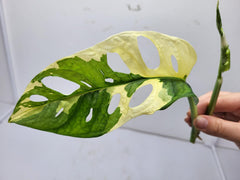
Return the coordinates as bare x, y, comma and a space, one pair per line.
105, 87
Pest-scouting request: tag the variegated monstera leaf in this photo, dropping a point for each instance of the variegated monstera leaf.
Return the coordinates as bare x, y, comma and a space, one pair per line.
66, 114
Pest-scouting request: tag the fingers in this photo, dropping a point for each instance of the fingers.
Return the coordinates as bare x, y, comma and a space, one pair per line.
227, 102
202, 106
228, 108
234, 116
218, 127
188, 119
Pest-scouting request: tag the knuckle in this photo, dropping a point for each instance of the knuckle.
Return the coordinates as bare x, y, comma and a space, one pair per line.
218, 128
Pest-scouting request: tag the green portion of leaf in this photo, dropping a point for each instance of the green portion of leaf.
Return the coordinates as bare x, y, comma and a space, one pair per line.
45, 118
100, 123
177, 88
77, 70
41, 115
131, 87
74, 122
67, 114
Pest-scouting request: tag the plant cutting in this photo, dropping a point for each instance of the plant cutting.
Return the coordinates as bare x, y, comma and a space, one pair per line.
99, 83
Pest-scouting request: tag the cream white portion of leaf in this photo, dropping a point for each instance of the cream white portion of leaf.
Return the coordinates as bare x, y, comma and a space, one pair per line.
126, 45
153, 102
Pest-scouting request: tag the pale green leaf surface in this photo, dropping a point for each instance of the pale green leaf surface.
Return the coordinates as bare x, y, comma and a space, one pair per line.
67, 114
225, 51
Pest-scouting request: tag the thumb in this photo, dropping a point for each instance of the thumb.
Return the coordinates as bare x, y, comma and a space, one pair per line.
218, 127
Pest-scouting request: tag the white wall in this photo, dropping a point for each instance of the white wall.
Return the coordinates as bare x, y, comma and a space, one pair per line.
6, 89
41, 32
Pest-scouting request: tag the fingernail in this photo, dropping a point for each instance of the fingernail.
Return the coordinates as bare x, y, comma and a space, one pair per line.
201, 122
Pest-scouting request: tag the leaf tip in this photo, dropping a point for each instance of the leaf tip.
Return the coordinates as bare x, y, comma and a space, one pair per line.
10, 120
219, 20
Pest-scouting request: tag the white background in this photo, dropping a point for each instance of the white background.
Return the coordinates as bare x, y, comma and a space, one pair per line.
36, 33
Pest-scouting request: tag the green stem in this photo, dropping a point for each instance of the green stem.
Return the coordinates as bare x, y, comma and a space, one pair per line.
224, 65
214, 96
194, 114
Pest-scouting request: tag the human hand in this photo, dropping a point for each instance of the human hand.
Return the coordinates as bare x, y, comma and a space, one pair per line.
225, 121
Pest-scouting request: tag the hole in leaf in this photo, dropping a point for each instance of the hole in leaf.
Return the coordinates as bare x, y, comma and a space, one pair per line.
38, 98
114, 103
140, 95
174, 63
86, 84
61, 85
149, 52
110, 80
59, 112
116, 63
89, 116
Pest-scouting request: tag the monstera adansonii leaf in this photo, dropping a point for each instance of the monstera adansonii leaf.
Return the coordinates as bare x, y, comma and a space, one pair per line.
66, 114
